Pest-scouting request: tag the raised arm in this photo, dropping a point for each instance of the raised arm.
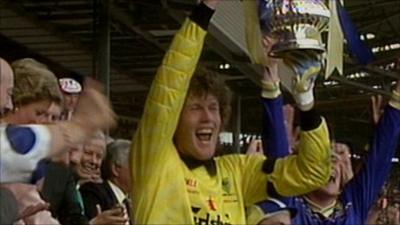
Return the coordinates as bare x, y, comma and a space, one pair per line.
311, 168
367, 183
166, 97
274, 136
153, 150
291, 175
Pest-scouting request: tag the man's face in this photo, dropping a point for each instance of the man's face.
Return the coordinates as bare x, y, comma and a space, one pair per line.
198, 128
124, 177
342, 172
344, 155
333, 187
71, 100
92, 155
6, 87
281, 218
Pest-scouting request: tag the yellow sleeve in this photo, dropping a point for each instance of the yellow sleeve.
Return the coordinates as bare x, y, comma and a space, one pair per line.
152, 146
254, 179
395, 100
248, 174
290, 176
307, 171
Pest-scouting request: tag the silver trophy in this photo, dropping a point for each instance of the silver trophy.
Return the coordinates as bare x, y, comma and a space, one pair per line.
297, 24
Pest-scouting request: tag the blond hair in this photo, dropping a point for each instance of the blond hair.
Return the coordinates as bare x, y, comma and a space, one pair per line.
34, 82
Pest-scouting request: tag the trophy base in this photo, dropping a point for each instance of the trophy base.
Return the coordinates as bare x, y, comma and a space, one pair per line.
281, 48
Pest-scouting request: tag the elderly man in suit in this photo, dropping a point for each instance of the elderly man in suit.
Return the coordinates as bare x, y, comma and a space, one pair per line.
112, 192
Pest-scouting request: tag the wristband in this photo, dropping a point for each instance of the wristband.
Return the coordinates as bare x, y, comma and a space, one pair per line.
270, 89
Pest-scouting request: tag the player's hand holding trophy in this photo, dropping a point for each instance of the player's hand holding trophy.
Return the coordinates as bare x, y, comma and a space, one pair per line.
296, 25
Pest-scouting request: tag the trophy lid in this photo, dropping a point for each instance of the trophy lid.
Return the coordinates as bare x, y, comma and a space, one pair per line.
276, 14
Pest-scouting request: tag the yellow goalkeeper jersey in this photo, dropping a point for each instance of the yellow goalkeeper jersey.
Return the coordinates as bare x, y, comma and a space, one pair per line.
166, 191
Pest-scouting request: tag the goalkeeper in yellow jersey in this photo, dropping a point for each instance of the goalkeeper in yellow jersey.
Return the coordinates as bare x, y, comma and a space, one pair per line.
176, 178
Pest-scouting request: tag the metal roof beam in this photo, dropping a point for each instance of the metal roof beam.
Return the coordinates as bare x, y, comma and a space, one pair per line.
214, 41
124, 18
13, 13
361, 86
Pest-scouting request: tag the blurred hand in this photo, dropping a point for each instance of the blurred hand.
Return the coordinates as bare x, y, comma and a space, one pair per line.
114, 216
33, 209
94, 110
255, 147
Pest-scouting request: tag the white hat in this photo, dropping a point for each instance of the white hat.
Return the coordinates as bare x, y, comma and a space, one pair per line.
70, 86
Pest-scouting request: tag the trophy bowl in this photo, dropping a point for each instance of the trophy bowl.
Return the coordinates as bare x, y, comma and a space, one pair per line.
296, 24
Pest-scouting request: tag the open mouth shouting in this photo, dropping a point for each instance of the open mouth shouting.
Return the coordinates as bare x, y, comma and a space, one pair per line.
204, 135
